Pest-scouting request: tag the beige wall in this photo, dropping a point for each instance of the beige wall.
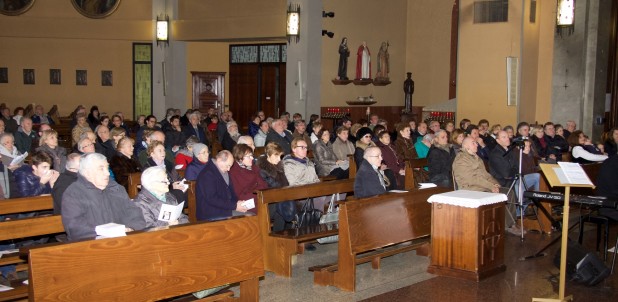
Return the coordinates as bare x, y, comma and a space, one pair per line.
211, 20
373, 22
428, 44
529, 65
546, 12
481, 79
54, 35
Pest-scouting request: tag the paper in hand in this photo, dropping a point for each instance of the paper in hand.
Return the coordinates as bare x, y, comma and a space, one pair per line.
170, 212
249, 204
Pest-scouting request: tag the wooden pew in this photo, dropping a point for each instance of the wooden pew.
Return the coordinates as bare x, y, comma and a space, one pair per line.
372, 227
27, 227
409, 183
280, 247
155, 265
134, 184
16, 229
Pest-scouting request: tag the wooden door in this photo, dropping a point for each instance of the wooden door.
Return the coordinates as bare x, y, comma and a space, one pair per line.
256, 87
208, 91
270, 92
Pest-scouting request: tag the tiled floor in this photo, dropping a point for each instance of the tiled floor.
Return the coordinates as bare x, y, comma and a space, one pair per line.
522, 280
404, 278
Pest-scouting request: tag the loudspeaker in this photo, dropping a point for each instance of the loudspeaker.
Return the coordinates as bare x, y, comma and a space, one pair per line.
583, 266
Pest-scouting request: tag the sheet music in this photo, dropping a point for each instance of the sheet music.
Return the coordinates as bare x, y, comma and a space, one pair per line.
574, 173
170, 212
249, 204
9, 161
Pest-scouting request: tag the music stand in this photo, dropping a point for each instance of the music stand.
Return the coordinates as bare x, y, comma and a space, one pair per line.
554, 181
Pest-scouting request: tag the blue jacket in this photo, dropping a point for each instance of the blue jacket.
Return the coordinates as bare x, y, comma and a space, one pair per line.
29, 184
194, 169
215, 198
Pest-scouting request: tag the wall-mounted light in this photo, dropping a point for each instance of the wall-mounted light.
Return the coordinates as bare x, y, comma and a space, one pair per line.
565, 16
328, 15
163, 30
330, 34
293, 23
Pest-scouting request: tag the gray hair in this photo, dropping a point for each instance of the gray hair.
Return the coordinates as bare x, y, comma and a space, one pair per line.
370, 151
244, 139
191, 141
148, 176
89, 160
6, 134
81, 140
73, 161
196, 114
230, 124
223, 155
428, 137
197, 148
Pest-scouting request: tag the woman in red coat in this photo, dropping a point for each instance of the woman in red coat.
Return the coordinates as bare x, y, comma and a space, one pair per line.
244, 176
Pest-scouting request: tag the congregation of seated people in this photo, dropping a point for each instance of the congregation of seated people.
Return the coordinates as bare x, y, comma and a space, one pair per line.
87, 168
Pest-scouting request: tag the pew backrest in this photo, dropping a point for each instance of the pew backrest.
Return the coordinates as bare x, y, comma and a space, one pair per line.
149, 266
379, 221
134, 181
26, 204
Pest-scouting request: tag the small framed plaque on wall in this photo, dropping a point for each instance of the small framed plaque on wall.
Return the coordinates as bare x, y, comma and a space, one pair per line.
81, 77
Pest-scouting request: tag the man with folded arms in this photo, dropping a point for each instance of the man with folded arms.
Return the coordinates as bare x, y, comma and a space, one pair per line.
94, 199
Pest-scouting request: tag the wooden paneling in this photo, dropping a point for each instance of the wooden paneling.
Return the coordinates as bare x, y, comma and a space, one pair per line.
389, 113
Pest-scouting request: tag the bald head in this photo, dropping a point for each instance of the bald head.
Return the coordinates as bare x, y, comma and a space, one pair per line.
502, 138
469, 145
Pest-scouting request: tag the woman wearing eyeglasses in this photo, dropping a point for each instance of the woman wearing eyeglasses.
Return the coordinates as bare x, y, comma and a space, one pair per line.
156, 157
155, 192
364, 136
245, 176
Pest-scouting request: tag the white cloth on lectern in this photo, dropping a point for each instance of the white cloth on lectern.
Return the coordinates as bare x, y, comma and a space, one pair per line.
467, 199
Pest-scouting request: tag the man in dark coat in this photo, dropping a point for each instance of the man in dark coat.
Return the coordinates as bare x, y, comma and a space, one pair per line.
94, 199
369, 179
279, 136
215, 193
104, 144
65, 179
10, 124
194, 129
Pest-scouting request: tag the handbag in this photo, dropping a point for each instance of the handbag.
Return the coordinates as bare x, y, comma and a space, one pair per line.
332, 215
287, 210
308, 215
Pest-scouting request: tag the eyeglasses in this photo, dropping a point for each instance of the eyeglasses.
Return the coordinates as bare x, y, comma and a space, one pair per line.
165, 182
380, 155
87, 145
367, 136
302, 147
248, 156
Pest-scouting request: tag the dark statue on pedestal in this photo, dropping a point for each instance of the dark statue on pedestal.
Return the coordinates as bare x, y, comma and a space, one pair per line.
344, 53
408, 89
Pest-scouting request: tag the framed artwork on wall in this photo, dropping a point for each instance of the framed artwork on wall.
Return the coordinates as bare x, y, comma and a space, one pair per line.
14, 8
28, 76
106, 78
55, 77
81, 77
4, 75
96, 9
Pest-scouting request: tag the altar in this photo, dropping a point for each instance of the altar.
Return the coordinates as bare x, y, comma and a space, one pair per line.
467, 234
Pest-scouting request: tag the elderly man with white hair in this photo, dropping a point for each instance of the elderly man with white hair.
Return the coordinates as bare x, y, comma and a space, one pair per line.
231, 136
94, 199
155, 192
279, 136
370, 179
194, 128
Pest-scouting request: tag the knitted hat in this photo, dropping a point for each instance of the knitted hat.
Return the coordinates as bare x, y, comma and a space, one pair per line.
363, 131
197, 148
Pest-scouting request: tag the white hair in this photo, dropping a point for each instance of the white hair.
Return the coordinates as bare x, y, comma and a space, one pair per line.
149, 176
244, 139
89, 161
230, 124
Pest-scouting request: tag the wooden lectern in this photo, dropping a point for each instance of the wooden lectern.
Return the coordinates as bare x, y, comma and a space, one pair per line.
467, 234
555, 181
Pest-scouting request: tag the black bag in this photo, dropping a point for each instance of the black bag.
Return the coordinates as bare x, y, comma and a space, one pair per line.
287, 210
308, 215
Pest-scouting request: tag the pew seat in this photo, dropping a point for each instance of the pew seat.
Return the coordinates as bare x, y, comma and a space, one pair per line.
377, 227
281, 247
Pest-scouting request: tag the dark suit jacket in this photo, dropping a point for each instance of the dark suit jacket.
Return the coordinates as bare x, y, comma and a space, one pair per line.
284, 142
215, 198
367, 181
199, 133
503, 167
